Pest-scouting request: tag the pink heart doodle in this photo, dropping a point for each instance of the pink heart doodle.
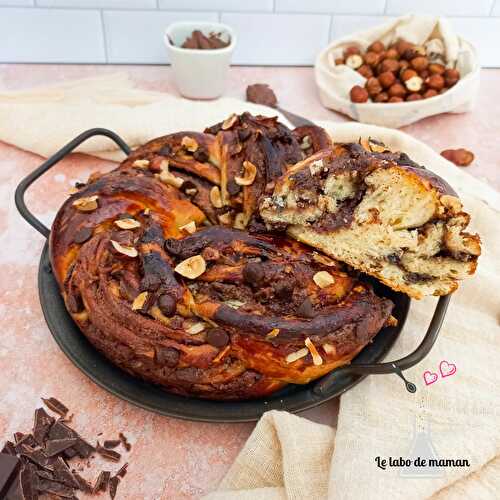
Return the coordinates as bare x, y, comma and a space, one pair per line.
446, 368
430, 377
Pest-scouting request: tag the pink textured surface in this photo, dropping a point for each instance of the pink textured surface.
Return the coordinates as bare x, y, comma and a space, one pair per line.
170, 458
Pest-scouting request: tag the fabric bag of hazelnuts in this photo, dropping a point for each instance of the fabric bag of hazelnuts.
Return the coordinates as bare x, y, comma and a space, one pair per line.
400, 72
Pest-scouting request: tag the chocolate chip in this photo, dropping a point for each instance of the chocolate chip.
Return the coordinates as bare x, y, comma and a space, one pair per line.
165, 150
200, 155
56, 406
232, 188
111, 443
306, 309
167, 356
83, 235
150, 282
113, 486
217, 337
253, 273
125, 443
244, 134
188, 186
167, 305
108, 454
102, 481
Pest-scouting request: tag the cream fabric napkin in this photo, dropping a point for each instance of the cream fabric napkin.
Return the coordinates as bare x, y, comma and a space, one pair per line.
288, 457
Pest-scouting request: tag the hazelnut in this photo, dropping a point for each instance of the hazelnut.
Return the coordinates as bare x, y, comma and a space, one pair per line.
339, 61
128, 223
396, 90
386, 79
461, 157
365, 71
402, 45
414, 84
392, 54
382, 97
388, 65
424, 74
419, 63
323, 279
373, 86
229, 122
443, 90
250, 172
435, 82
124, 249
349, 51
451, 76
192, 267
358, 94
354, 61
377, 47
396, 99
436, 69
429, 93
215, 197
372, 58
403, 64
407, 74
414, 97
87, 204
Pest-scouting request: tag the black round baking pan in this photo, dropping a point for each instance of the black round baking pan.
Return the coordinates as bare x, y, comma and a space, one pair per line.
293, 398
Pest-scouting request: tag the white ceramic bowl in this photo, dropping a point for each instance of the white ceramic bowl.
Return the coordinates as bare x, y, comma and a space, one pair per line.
199, 74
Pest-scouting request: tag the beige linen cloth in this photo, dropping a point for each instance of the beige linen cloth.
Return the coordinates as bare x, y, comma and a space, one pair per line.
289, 457
335, 81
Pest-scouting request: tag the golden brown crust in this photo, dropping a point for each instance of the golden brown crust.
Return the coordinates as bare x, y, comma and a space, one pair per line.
207, 311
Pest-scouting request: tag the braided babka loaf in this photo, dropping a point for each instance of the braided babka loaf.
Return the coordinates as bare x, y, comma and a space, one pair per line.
379, 212
166, 267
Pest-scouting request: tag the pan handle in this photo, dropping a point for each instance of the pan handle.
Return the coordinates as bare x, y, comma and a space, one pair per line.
49, 163
324, 384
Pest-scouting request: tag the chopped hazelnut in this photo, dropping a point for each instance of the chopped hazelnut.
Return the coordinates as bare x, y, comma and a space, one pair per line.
215, 197
249, 174
191, 267
358, 94
354, 61
414, 84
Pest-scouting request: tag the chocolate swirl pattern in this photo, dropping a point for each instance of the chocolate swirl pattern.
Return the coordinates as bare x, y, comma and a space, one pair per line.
167, 268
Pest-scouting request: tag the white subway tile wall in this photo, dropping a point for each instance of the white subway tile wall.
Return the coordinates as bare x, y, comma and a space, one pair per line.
270, 32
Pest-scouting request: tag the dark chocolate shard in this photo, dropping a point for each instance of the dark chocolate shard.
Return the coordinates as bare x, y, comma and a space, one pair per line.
63, 475
61, 431
43, 423
102, 481
45, 474
111, 443
9, 448
83, 448
57, 446
9, 469
38, 457
124, 441
29, 483
69, 453
123, 470
83, 484
55, 488
113, 486
108, 454
56, 406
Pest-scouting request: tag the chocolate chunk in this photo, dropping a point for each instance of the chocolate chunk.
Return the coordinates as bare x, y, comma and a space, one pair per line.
217, 337
56, 406
261, 93
82, 235
38, 457
167, 305
306, 309
45, 474
108, 454
102, 481
111, 443
244, 134
188, 187
123, 470
61, 431
63, 475
113, 486
150, 282
232, 188
29, 483
83, 484
253, 274
83, 448
55, 488
9, 469
124, 441
165, 150
200, 155
56, 446
167, 356
43, 423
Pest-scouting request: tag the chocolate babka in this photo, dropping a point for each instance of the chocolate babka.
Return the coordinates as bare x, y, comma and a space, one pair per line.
167, 268
379, 212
